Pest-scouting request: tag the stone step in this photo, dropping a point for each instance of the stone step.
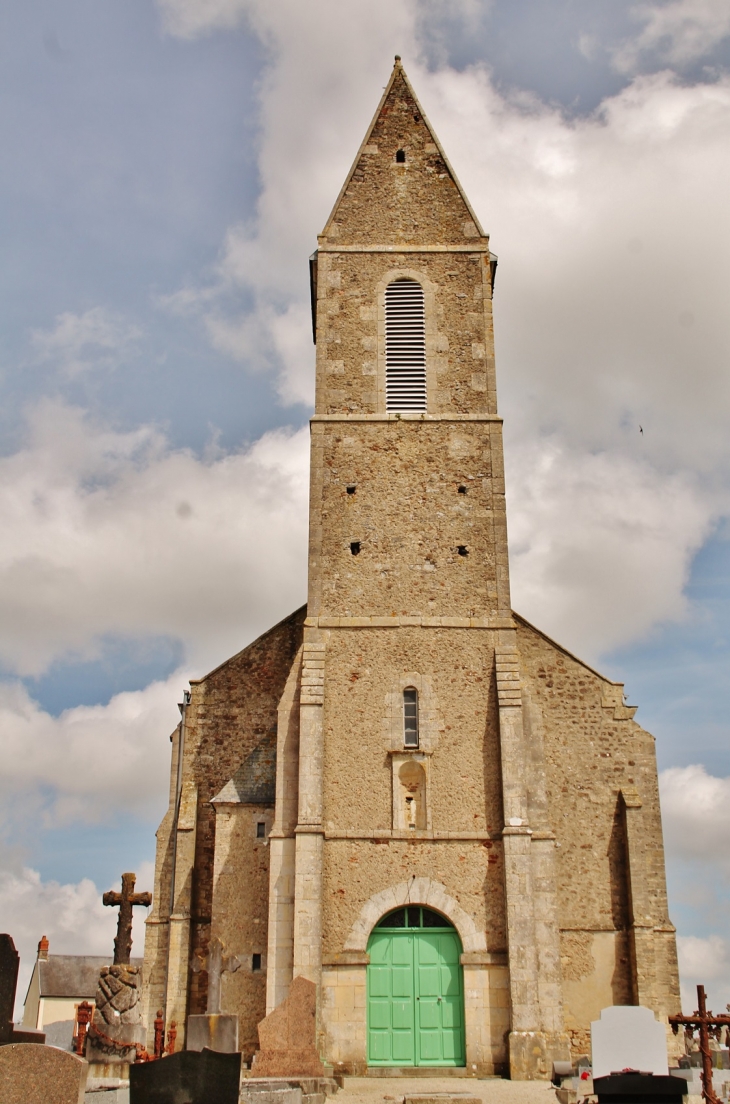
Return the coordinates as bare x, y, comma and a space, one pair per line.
292, 1090
419, 1071
441, 1098
107, 1096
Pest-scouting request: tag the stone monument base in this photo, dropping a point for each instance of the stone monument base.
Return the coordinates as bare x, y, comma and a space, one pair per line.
214, 1031
110, 1045
532, 1053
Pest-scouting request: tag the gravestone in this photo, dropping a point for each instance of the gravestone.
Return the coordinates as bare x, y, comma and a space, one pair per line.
9, 963
628, 1037
287, 1037
216, 1030
41, 1075
190, 1077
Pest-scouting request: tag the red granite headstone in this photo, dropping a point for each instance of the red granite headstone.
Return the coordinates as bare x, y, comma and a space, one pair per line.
287, 1037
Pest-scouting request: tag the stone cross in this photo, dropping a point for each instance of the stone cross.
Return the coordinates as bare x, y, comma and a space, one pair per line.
216, 964
703, 1020
125, 901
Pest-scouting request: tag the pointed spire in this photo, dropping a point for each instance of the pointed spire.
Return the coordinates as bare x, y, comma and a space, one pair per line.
401, 188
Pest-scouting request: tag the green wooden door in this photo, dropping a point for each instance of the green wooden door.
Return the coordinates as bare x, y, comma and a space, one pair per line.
415, 992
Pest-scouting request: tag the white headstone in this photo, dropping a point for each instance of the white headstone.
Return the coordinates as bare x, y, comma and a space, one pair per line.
628, 1037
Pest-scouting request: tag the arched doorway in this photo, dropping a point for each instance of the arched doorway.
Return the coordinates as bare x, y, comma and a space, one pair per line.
415, 991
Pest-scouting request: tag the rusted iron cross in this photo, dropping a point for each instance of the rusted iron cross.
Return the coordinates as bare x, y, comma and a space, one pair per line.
703, 1020
125, 901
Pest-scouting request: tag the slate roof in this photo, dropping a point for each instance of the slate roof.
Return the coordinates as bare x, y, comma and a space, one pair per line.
254, 783
72, 975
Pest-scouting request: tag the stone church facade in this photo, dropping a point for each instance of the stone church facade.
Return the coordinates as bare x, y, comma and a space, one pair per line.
405, 792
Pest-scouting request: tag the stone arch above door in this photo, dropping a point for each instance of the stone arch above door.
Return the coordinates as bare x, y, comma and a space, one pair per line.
415, 891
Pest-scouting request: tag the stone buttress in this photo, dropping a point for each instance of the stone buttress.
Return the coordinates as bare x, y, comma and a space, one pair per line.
409, 587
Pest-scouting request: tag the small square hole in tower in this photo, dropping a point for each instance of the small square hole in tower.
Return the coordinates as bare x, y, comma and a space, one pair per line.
462, 550
351, 488
462, 489
255, 963
400, 156
261, 830
355, 548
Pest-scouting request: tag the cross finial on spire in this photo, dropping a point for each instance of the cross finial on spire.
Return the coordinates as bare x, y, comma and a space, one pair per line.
397, 59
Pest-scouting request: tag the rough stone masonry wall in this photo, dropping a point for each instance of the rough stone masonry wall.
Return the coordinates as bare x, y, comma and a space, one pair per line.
351, 330
594, 753
463, 791
415, 202
240, 913
410, 519
231, 709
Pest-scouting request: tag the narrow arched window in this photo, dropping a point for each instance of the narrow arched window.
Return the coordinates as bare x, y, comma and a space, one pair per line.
410, 717
405, 347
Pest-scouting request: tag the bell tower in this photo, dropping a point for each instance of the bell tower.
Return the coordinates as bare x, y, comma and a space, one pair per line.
410, 758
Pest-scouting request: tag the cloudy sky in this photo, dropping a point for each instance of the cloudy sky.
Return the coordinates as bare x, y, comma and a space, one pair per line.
166, 169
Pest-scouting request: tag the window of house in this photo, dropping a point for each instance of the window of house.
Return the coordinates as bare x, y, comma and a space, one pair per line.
405, 347
410, 717
255, 963
261, 830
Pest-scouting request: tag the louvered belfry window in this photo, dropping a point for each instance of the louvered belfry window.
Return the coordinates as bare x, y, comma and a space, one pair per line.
405, 347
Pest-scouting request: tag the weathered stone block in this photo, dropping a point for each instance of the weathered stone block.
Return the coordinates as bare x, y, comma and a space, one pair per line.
287, 1037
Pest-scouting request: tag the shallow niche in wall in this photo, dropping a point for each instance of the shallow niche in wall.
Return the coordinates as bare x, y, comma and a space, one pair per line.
412, 794
411, 811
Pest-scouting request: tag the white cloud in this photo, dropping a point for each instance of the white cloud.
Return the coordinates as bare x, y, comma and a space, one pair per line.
57, 769
611, 231
599, 544
189, 18
117, 533
678, 32
696, 815
71, 915
704, 961
696, 820
80, 342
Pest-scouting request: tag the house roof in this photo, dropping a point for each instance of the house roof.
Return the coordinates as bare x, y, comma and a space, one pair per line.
72, 975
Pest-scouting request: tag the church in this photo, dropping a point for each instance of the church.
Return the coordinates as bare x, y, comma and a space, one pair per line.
404, 792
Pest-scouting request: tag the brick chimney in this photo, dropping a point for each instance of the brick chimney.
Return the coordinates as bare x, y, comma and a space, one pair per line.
43, 949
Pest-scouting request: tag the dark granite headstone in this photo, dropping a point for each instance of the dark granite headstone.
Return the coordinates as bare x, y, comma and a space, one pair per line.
190, 1077
635, 1087
9, 963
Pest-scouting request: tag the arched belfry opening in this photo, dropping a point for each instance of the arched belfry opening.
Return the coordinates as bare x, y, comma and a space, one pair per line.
405, 347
